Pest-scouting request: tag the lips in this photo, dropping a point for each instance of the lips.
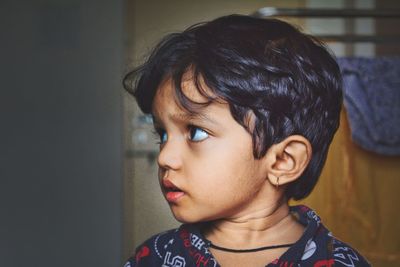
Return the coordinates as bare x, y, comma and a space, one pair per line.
171, 191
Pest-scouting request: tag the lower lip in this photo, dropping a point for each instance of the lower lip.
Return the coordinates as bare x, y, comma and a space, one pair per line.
174, 196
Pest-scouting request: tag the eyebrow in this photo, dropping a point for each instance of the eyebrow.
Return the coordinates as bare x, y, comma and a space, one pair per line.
179, 117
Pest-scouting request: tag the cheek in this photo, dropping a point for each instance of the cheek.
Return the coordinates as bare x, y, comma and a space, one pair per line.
224, 160
233, 155
233, 148
222, 166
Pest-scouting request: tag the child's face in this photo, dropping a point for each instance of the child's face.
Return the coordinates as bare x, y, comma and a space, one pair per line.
206, 158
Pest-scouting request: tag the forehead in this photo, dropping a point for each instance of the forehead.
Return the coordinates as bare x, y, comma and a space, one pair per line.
167, 94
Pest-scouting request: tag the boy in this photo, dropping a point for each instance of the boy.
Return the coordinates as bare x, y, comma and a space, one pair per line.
245, 109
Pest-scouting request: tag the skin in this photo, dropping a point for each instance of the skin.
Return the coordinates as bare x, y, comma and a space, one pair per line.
209, 158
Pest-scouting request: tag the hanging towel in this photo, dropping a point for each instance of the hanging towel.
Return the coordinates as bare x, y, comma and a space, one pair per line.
372, 101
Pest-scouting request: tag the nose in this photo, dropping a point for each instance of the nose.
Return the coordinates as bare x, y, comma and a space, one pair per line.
170, 156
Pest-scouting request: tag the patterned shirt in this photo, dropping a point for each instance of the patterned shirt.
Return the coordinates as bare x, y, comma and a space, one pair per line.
185, 246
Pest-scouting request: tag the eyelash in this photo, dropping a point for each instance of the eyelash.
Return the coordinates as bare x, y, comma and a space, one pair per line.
194, 127
160, 133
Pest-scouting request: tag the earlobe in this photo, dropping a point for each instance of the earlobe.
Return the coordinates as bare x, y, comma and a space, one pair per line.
288, 159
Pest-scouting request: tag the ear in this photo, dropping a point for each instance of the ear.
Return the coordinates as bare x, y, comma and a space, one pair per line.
288, 159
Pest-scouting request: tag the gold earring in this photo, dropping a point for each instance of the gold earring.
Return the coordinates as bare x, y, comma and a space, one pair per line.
277, 183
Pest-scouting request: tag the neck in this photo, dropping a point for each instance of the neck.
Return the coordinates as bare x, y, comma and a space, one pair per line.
272, 225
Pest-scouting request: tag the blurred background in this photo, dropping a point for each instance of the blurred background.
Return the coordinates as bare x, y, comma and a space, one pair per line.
78, 176
61, 133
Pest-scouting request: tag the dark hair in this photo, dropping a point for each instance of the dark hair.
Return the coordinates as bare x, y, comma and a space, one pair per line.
287, 79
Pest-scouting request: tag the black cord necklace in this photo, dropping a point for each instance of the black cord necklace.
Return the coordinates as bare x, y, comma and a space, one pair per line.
248, 250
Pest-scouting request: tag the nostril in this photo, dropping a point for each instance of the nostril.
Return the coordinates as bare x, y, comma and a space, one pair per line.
166, 172
162, 173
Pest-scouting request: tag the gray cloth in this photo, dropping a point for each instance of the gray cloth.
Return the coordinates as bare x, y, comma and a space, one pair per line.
372, 101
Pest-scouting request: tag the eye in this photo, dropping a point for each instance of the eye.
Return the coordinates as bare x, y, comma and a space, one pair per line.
162, 135
197, 134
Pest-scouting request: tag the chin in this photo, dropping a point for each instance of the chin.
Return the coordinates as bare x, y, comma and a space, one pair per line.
185, 219
188, 218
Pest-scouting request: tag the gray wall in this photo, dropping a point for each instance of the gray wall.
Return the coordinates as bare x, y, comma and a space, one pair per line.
60, 137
